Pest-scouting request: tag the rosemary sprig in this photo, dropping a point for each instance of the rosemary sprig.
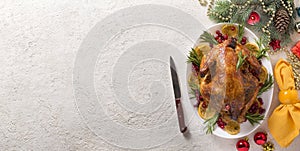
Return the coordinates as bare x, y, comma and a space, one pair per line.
262, 52
211, 123
207, 37
241, 32
194, 58
267, 84
254, 118
241, 60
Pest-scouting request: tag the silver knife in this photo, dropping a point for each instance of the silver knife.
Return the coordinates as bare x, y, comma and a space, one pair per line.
177, 94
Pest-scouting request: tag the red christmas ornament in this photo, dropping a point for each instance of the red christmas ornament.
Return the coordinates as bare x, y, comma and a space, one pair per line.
242, 145
254, 18
260, 138
296, 49
275, 44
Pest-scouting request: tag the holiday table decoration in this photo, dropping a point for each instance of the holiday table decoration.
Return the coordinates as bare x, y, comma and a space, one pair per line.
254, 18
274, 19
297, 27
243, 145
268, 146
288, 112
298, 11
260, 138
296, 49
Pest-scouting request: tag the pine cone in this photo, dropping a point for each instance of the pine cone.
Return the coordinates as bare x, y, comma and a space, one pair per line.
282, 20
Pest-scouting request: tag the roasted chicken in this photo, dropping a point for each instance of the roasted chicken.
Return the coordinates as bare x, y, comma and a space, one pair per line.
224, 86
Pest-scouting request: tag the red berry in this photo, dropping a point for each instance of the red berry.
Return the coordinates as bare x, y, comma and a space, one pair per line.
244, 39
218, 32
243, 42
225, 37
220, 40
217, 37
201, 98
233, 28
227, 107
260, 100
204, 105
222, 126
261, 111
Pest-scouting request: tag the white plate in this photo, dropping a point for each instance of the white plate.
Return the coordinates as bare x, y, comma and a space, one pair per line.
246, 127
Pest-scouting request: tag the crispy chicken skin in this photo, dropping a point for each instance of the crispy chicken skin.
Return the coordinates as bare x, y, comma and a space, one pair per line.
222, 84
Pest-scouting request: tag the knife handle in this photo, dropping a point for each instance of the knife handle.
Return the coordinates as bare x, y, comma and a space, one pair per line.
180, 116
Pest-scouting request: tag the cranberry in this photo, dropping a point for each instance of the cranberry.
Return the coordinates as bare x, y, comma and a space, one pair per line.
222, 126
233, 28
227, 107
243, 42
220, 40
244, 39
260, 100
201, 98
204, 105
262, 111
218, 32
225, 37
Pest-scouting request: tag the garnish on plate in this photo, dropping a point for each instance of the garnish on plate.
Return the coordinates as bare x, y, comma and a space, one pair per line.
229, 64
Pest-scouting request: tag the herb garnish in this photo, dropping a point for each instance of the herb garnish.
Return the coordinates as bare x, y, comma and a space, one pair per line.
207, 37
210, 124
241, 32
241, 60
262, 52
267, 84
254, 118
194, 58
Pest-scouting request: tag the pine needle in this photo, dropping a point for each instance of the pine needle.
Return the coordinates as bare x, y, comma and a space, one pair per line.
210, 124
207, 37
241, 32
262, 52
254, 118
267, 84
194, 58
241, 60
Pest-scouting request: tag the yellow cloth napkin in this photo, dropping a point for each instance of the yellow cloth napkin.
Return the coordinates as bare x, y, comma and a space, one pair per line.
284, 123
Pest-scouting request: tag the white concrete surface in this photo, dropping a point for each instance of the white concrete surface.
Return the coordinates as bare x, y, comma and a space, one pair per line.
47, 102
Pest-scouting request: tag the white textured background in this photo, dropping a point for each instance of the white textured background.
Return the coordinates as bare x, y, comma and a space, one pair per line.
39, 40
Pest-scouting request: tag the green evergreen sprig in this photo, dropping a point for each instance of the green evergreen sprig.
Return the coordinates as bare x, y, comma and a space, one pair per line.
194, 58
207, 37
267, 84
262, 51
238, 11
241, 60
254, 118
211, 123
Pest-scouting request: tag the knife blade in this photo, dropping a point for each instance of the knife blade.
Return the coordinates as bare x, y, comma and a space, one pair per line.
177, 94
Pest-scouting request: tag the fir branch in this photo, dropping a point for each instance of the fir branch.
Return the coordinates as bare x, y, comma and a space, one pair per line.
207, 37
254, 118
241, 60
210, 124
241, 15
241, 32
221, 7
194, 58
262, 52
268, 83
